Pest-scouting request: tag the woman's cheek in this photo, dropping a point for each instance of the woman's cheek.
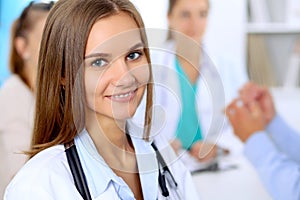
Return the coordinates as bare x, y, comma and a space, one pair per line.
142, 74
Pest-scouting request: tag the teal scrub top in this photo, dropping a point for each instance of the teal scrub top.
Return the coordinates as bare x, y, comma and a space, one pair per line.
188, 129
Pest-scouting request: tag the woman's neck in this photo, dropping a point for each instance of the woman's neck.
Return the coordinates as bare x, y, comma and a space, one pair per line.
111, 132
189, 52
189, 55
110, 139
28, 77
116, 148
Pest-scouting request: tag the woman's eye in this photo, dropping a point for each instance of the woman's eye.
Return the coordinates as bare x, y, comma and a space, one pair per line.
185, 14
134, 55
203, 14
99, 63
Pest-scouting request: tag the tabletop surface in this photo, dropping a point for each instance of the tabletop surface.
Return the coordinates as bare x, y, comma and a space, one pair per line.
238, 183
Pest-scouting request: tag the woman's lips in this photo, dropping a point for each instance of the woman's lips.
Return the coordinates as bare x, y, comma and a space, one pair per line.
123, 97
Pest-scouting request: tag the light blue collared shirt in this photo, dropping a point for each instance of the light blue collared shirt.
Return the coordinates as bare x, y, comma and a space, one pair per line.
100, 177
275, 153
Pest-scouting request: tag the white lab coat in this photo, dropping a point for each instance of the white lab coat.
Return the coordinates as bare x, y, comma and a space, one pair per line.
218, 85
47, 175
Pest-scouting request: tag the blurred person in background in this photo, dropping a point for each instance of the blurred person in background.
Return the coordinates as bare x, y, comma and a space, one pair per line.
17, 93
189, 88
271, 145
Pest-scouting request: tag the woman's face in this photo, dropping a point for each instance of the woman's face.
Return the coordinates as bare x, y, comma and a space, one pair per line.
190, 18
116, 68
30, 51
34, 38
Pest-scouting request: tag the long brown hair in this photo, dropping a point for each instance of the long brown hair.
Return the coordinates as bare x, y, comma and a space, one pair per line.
60, 108
21, 27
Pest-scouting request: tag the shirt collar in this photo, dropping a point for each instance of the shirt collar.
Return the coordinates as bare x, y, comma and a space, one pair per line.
147, 165
99, 175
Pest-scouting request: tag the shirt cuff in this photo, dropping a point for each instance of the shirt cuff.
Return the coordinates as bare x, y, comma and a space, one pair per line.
274, 124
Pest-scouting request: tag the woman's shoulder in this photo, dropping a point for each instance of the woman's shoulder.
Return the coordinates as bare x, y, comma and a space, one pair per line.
14, 81
45, 161
15, 89
44, 170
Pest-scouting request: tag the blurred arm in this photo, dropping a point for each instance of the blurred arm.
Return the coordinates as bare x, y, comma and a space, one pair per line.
279, 173
286, 138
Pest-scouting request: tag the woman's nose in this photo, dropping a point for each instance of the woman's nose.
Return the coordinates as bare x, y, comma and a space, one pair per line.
123, 75
195, 21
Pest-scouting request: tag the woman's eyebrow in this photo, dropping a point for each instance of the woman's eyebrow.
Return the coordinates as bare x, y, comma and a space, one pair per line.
136, 46
103, 55
106, 55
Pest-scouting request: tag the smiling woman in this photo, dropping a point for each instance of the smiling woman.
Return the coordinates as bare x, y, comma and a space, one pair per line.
90, 83
115, 76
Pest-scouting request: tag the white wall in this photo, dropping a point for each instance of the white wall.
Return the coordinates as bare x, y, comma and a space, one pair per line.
225, 35
154, 14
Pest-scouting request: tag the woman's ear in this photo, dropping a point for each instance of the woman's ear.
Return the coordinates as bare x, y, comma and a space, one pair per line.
21, 48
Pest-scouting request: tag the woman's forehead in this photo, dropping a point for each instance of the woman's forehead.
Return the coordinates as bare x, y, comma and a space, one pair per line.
114, 32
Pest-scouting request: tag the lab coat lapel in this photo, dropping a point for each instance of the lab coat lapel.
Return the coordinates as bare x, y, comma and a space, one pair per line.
147, 166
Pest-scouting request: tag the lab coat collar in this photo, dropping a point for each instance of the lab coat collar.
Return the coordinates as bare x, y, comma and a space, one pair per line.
147, 165
99, 175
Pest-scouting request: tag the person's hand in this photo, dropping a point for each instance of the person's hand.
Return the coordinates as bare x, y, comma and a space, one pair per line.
204, 151
252, 92
245, 119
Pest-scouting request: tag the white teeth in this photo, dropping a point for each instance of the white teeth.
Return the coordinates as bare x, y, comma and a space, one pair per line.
123, 95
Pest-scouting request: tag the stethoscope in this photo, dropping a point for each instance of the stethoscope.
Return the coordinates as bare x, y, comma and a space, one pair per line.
81, 182
164, 175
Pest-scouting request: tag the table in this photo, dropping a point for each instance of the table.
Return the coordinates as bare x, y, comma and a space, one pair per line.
241, 183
